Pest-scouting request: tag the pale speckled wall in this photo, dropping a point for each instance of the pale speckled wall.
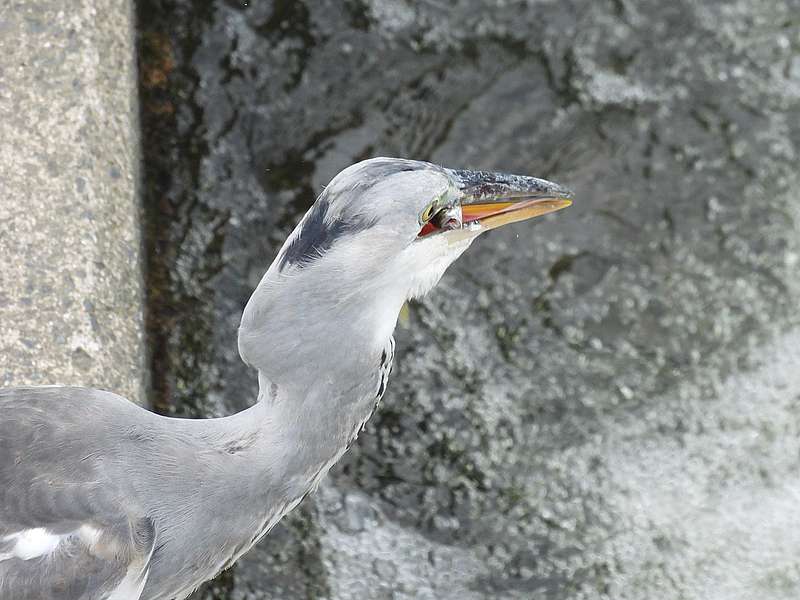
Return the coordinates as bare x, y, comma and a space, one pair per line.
70, 271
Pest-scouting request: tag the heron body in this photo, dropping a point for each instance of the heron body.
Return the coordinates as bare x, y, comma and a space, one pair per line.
102, 499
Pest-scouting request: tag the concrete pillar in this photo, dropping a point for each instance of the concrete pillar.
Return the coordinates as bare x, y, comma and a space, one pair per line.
70, 260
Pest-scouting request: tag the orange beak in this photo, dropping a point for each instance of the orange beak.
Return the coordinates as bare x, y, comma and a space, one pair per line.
491, 215
491, 200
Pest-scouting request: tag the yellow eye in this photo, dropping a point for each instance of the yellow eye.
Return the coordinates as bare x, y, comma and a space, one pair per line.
427, 214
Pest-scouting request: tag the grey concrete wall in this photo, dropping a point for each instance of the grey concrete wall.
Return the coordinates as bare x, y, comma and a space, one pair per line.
70, 271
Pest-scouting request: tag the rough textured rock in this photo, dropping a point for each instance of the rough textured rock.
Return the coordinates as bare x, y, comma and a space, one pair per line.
70, 270
600, 404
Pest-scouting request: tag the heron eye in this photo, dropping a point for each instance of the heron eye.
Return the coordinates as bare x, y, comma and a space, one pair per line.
427, 214
442, 219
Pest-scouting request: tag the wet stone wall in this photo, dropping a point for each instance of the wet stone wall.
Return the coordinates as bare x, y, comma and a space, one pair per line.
604, 403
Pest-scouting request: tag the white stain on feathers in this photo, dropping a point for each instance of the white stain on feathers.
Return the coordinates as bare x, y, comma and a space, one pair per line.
30, 543
38, 541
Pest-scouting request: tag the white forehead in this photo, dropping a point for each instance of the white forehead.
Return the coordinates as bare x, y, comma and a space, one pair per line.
368, 172
382, 185
415, 188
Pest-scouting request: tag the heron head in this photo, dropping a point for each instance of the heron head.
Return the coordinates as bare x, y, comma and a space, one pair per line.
400, 223
383, 231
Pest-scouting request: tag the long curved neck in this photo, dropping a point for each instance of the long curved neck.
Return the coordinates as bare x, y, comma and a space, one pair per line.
319, 348
318, 335
283, 445
322, 349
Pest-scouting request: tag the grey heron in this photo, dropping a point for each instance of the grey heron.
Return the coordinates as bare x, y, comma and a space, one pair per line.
102, 499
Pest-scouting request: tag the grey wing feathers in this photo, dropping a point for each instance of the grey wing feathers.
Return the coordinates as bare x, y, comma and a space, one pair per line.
66, 532
87, 563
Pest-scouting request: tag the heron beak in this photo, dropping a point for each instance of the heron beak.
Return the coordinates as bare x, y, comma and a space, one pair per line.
490, 200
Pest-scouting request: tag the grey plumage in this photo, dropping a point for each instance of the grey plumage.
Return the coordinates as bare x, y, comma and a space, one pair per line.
154, 486
63, 494
103, 500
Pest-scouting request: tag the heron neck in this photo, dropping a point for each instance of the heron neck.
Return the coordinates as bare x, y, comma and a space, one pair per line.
295, 437
318, 346
318, 418
301, 336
